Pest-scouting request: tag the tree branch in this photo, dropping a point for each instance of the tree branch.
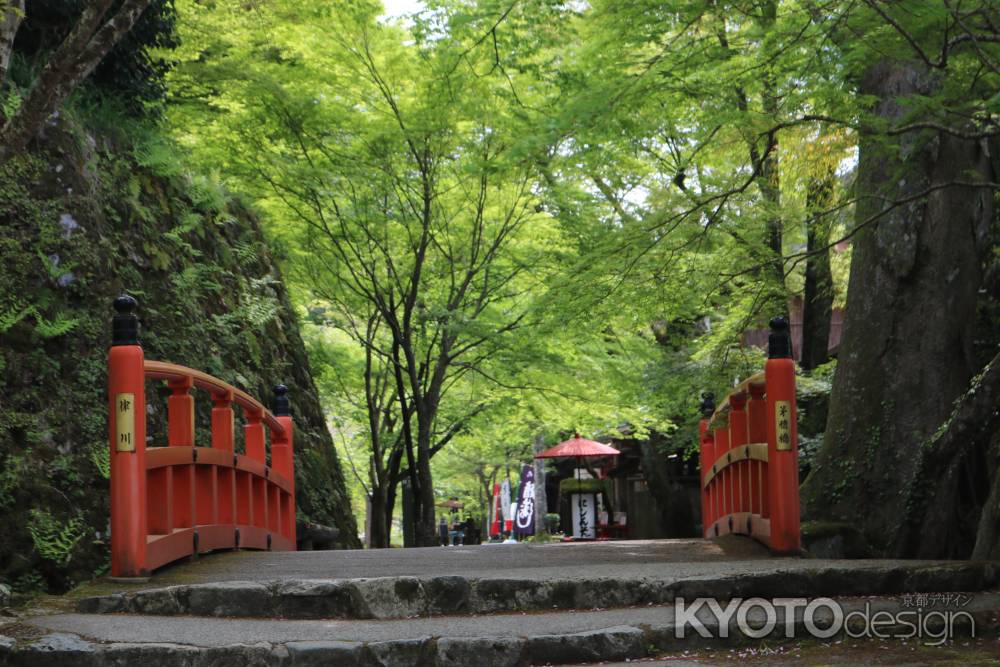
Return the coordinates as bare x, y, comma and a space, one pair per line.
74, 60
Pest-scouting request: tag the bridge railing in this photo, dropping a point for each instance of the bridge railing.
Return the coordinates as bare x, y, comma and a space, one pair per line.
179, 499
749, 466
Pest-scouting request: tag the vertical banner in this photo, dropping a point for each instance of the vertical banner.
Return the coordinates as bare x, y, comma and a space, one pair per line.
495, 512
505, 504
524, 517
584, 515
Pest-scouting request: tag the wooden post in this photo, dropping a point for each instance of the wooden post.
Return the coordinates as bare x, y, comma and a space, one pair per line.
782, 441
223, 432
253, 436
706, 458
738, 438
282, 460
222, 421
723, 481
127, 438
757, 424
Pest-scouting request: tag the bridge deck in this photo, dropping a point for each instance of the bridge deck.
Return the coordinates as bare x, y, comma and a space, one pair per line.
622, 559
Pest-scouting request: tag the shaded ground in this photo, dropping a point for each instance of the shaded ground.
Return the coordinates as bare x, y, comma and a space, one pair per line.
979, 652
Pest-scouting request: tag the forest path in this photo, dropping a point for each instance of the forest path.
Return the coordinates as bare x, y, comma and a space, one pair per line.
624, 558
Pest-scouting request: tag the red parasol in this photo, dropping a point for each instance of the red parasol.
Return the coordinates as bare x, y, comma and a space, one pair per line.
578, 448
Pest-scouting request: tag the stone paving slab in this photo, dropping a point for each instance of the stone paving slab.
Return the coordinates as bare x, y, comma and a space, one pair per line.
506, 639
625, 558
642, 573
222, 632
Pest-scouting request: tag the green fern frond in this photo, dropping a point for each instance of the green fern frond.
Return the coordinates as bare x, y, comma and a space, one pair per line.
100, 456
61, 325
53, 539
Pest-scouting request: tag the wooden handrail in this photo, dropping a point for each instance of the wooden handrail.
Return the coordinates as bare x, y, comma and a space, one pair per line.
749, 462
180, 499
755, 451
161, 370
741, 388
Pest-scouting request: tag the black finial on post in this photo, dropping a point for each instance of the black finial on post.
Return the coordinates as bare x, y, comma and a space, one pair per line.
125, 324
281, 407
707, 406
779, 342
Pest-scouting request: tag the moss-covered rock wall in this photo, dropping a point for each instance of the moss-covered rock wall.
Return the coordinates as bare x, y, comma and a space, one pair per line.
82, 220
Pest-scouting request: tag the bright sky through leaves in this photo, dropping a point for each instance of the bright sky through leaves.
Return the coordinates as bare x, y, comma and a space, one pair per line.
395, 8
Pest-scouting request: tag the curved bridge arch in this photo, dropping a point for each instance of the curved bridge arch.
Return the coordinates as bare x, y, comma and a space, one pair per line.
180, 498
749, 454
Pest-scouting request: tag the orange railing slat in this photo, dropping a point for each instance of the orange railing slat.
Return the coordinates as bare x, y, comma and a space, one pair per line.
161, 370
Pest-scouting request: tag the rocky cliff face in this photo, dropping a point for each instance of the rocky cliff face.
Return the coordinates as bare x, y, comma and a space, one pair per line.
82, 220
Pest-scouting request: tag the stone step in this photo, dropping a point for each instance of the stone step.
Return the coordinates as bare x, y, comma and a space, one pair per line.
561, 637
407, 596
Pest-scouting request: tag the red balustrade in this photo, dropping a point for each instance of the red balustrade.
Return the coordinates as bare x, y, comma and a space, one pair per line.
181, 499
749, 466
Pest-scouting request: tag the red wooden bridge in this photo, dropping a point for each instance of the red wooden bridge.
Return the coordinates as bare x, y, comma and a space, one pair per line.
749, 454
181, 499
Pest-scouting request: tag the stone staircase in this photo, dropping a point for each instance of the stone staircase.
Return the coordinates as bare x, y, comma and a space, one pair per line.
483, 606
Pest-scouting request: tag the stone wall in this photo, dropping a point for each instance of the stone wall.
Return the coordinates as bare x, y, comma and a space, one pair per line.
82, 220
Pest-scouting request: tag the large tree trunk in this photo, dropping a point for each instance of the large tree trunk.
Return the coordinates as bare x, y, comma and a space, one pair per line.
906, 352
74, 60
426, 529
953, 478
987, 545
817, 300
770, 181
377, 519
409, 520
10, 21
392, 484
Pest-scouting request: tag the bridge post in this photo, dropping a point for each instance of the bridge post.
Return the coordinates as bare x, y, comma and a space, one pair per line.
283, 462
707, 458
127, 436
782, 441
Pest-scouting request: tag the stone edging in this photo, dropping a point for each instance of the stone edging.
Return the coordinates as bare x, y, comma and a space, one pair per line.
616, 643
404, 597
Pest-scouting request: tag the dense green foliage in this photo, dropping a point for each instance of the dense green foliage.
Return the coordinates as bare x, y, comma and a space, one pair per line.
680, 171
470, 181
503, 221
